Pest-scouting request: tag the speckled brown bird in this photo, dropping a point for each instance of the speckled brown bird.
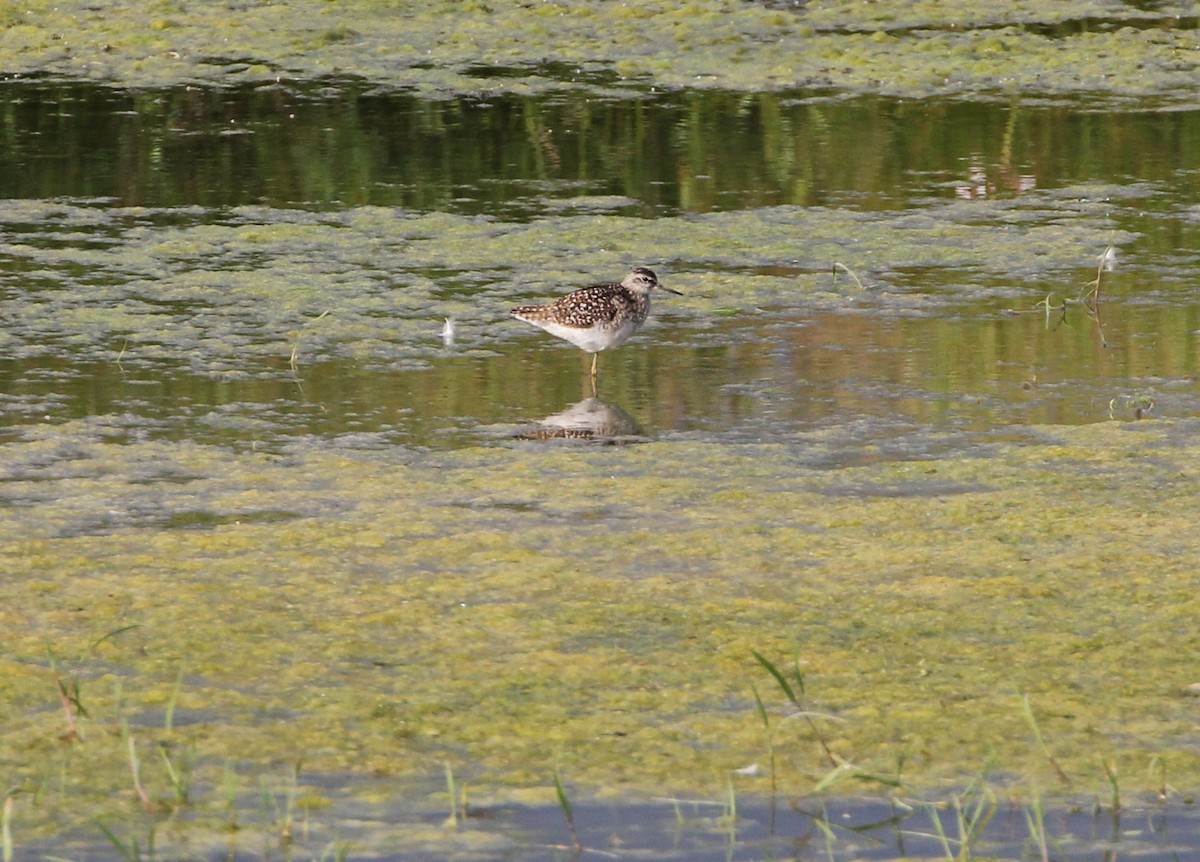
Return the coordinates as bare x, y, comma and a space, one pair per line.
598, 317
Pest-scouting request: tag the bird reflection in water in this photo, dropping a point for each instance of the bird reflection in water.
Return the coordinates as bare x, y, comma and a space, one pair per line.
591, 420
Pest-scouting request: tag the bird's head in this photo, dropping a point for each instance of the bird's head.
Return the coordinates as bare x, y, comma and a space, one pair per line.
644, 280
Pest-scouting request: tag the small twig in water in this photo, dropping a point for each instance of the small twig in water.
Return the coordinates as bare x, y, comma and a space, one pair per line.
1091, 292
838, 265
135, 768
294, 361
6, 829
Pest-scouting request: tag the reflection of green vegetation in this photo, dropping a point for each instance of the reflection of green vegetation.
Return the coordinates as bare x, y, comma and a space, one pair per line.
328, 147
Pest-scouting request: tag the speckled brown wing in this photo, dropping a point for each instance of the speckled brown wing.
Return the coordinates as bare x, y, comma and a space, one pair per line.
600, 304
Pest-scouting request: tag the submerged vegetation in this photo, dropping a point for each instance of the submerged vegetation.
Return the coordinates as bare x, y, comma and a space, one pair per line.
259, 593
475, 620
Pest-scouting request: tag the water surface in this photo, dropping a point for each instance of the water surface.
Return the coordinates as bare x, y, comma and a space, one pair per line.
153, 198
932, 359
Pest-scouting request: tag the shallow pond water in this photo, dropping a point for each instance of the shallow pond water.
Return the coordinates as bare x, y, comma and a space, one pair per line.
692, 830
168, 251
931, 361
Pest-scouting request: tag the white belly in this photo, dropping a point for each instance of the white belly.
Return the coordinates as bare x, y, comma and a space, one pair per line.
592, 340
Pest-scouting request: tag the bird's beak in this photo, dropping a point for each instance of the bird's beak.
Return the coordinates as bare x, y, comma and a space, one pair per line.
669, 290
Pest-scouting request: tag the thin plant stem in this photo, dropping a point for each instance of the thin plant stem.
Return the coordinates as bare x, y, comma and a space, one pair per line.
294, 360
766, 720
838, 265
452, 820
1037, 734
1159, 763
1091, 295
568, 812
169, 719
6, 839
1110, 772
180, 777
135, 767
791, 695
1035, 820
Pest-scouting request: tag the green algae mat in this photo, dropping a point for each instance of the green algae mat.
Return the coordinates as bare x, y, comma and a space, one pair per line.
520, 609
1106, 49
197, 627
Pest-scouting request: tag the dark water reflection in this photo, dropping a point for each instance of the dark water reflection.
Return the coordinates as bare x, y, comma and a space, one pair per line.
337, 144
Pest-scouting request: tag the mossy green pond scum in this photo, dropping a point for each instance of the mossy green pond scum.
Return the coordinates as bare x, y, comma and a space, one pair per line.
308, 549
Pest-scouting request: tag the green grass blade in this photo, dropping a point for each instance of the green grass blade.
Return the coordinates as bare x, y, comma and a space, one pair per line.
796, 672
112, 634
778, 676
568, 811
129, 853
169, 720
563, 801
1037, 734
762, 709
